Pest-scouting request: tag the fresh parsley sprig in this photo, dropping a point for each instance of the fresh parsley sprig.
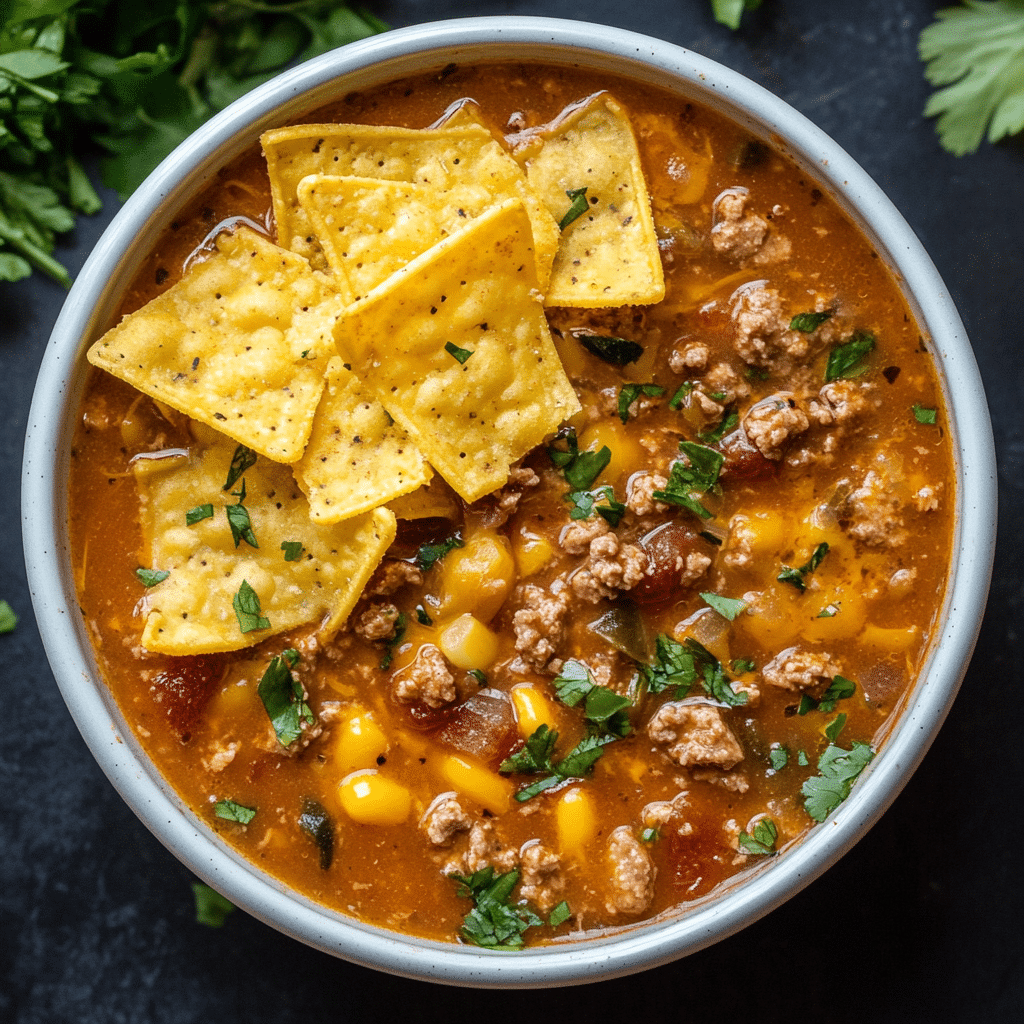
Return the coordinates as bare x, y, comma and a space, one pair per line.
838, 770
495, 922
283, 698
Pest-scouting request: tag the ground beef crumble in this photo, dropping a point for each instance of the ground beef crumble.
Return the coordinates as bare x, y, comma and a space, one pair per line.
695, 734
632, 873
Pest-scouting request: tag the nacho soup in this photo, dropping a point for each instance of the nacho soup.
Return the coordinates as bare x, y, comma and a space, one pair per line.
514, 504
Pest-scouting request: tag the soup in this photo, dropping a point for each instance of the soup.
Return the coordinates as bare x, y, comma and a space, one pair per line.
668, 639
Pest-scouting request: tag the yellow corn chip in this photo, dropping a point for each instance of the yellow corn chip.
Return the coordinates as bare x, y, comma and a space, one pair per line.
370, 228
456, 347
241, 343
467, 169
609, 255
434, 500
192, 610
356, 458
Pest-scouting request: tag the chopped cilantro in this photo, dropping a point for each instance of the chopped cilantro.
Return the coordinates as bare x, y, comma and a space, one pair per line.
584, 505
758, 373
762, 842
535, 758
629, 393
649, 835
580, 469
559, 915
681, 392
829, 611
535, 754
283, 698
292, 550
8, 620
238, 520
839, 689
713, 679
808, 322
198, 514
151, 577
801, 758
838, 770
845, 360
422, 617
395, 640
247, 609
240, 462
835, 727
231, 811
212, 909
796, 576
605, 711
577, 207
729, 421
742, 665
778, 758
729, 607
698, 473
429, 554
494, 922
673, 666
479, 675
617, 351
923, 415
460, 355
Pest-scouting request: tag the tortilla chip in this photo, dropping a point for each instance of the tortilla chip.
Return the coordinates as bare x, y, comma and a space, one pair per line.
434, 500
476, 292
191, 611
356, 459
609, 255
240, 343
369, 228
467, 169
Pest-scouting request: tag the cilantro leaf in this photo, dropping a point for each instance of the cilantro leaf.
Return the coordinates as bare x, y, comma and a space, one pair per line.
460, 355
713, 679
577, 207
846, 359
835, 727
697, 473
629, 393
808, 322
923, 415
617, 351
606, 712
396, 639
729, 12
283, 699
238, 520
429, 555
838, 770
762, 842
673, 666
151, 577
198, 514
8, 620
977, 52
240, 462
728, 607
795, 577
584, 505
728, 423
494, 922
778, 758
535, 755
559, 914
580, 469
681, 392
212, 909
231, 811
247, 609
292, 550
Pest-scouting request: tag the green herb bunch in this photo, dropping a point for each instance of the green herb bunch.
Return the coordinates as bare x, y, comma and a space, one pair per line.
129, 79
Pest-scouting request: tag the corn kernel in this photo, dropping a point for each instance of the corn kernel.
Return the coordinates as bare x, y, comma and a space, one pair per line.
533, 709
532, 551
472, 779
358, 742
895, 640
477, 577
369, 798
848, 612
626, 450
576, 821
467, 643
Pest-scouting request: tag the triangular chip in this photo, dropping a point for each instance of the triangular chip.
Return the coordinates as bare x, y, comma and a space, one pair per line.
369, 228
456, 347
434, 500
356, 458
240, 343
607, 256
467, 169
300, 572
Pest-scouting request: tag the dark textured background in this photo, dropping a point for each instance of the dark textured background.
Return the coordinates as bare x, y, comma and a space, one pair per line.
921, 921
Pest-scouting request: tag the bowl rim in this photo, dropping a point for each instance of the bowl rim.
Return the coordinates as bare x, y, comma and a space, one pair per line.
91, 301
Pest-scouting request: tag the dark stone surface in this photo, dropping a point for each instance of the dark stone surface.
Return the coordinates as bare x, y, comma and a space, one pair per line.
921, 921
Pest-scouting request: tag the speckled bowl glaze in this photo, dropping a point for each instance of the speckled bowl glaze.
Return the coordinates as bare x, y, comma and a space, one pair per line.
95, 297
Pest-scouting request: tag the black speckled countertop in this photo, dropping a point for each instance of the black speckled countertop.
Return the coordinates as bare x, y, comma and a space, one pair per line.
921, 921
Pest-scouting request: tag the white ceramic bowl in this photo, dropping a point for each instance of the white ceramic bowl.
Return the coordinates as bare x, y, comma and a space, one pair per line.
95, 297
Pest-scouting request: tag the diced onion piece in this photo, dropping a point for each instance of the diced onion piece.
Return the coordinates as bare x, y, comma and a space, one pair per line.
371, 799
